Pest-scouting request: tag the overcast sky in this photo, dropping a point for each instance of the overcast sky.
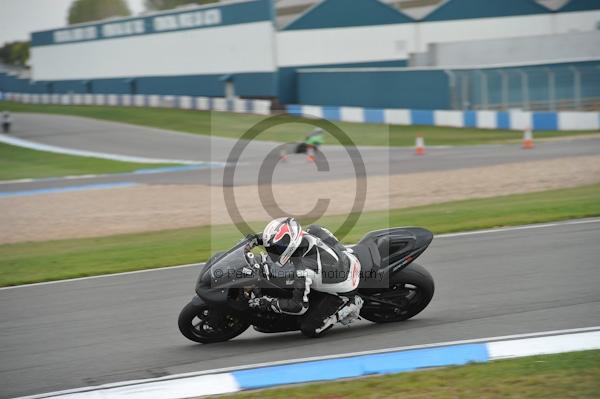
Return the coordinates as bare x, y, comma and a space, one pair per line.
20, 17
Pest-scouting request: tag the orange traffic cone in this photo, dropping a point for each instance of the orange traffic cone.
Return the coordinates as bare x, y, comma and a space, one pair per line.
310, 153
420, 146
527, 139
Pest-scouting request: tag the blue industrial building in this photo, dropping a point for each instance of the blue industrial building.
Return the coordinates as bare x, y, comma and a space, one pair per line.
359, 53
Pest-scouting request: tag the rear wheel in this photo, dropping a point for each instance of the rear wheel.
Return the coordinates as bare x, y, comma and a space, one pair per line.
410, 292
201, 324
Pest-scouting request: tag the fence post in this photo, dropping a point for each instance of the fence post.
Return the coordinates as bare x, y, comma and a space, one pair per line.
576, 87
551, 89
465, 90
452, 84
504, 78
484, 89
524, 89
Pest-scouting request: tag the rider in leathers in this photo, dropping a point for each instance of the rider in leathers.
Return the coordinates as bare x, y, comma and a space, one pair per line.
310, 260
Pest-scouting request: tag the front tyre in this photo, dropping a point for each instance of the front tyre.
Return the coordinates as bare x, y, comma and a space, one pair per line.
411, 290
199, 323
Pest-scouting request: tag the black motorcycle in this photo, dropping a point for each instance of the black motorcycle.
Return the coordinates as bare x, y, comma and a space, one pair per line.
392, 287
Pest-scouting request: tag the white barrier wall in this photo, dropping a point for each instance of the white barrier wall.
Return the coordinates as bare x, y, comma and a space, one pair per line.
511, 120
239, 105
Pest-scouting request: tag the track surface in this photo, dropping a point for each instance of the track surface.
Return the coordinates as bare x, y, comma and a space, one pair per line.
108, 329
122, 139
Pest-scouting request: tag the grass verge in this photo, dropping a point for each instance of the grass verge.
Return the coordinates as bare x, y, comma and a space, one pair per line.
55, 260
566, 375
234, 125
19, 163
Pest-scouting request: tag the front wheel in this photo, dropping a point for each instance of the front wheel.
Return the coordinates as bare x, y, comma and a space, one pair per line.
411, 290
199, 323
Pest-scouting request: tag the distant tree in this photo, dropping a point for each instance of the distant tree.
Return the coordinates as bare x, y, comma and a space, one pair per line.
169, 4
93, 10
15, 53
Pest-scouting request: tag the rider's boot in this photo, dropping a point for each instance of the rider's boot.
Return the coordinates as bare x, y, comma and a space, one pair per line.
350, 311
346, 314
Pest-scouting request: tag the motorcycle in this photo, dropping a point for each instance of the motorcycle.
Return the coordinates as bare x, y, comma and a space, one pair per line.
392, 287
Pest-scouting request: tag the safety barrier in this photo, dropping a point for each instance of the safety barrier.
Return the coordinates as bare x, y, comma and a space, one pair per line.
512, 120
387, 361
261, 107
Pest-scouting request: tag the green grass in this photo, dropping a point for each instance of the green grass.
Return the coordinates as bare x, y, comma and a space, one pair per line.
53, 260
234, 125
566, 375
19, 163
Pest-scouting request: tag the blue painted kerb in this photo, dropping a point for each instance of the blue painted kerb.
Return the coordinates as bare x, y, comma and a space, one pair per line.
356, 366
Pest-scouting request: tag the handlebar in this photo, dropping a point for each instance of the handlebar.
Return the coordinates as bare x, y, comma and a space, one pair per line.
261, 267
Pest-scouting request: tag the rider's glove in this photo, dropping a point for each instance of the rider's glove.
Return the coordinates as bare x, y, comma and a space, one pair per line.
263, 303
254, 239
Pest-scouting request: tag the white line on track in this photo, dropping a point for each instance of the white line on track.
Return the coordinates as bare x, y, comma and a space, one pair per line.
309, 359
449, 235
102, 276
133, 173
93, 154
384, 350
515, 228
31, 180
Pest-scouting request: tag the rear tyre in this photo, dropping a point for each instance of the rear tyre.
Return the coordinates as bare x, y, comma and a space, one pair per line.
411, 290
201, 324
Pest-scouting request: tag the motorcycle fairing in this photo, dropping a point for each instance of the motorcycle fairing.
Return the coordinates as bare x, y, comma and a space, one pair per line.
392, 249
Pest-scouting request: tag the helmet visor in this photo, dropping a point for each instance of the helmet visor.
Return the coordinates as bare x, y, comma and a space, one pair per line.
280, 246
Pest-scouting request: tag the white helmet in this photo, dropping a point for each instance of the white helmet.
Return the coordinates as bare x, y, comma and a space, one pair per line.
281, 238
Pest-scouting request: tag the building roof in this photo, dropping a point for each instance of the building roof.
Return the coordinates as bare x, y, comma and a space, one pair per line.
581, 5
288, 10
468, 9
344, 13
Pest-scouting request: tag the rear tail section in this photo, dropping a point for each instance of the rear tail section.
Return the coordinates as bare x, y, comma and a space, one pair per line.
397, 247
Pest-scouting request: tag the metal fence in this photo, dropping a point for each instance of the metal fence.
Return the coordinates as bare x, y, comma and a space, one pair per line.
543, 88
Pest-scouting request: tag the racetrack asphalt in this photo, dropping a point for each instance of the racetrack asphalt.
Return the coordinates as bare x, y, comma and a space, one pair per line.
115, 328
122, 139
